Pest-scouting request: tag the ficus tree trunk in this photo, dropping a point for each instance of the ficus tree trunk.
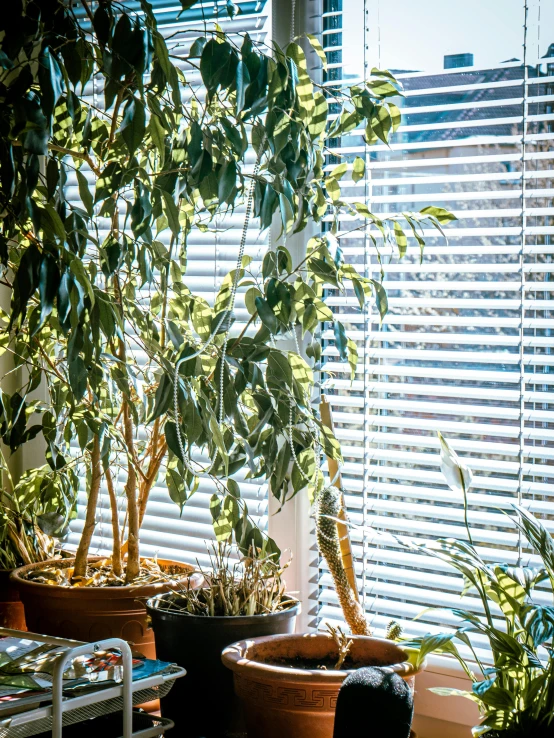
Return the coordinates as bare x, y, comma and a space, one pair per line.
133, 560
116, 533
81, 557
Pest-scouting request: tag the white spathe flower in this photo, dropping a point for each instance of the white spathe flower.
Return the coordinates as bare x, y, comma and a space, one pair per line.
458, 476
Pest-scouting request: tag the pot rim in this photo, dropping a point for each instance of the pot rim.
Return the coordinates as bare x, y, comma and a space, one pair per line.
294, 609
234, 659
110, 592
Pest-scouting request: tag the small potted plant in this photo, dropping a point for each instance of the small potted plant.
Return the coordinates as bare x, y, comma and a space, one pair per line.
33, 520
241, 596
514, 687
289, 684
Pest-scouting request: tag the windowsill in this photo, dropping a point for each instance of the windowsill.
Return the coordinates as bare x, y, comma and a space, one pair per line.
437, 716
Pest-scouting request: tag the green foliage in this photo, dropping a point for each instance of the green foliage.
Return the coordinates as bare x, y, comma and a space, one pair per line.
101, 311
34, 513
515, 693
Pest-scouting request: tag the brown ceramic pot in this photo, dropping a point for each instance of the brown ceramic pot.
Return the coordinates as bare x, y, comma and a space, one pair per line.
91, 613
12, 614
280, 701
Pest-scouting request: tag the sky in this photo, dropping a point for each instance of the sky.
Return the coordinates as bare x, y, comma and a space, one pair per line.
416, 34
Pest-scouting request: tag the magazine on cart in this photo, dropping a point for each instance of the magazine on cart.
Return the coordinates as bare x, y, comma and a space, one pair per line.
26, 668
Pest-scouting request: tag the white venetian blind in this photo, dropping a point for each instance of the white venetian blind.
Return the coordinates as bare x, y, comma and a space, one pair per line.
210, 256
466, 347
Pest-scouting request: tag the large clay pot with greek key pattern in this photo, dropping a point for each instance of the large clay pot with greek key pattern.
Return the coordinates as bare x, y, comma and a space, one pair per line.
284, 699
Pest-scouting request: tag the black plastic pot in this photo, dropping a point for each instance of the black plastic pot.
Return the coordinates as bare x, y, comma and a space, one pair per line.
203, 702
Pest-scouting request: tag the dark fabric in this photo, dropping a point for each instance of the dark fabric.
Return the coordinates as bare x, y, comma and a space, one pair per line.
373, 703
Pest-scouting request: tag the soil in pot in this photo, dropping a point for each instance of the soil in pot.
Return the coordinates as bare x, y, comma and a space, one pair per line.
89, 613
203, 702
281, 698
12, 614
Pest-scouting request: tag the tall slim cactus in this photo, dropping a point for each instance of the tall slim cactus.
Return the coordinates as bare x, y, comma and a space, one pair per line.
327, 512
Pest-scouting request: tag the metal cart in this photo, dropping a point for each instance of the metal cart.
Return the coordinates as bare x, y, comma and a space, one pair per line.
65, 711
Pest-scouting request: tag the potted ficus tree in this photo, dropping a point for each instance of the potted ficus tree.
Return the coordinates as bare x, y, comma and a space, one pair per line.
101, 314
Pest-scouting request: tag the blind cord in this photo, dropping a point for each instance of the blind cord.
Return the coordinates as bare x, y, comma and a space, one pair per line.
522, 378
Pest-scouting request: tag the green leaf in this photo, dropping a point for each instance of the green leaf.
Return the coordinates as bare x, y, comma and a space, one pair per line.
401, 240
442, 215
49, 280
301, 371
396, 116
101, 25
381, 123
57, 227
307, 463
250, 299
279, 366
80, 273
333, 188
498, 697
84, 193
318, 48
50, 80
175, 482
339, 171
304, 88
242, 82
453, 692
171, 212
164, 394
382, 88
341, 340
215, 507
233, 488
281, 134
225, 516
287, 213
267, 316
172, 438
109, 181
381, 298
218, 65
352, 357
133, 125
78, 377
227, 182
217, 437
318, 121
157, 133
358, 169
197, 47
431, 643
202, 317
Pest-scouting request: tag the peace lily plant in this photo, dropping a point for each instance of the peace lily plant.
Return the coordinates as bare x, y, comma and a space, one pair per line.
101, 314
512, 677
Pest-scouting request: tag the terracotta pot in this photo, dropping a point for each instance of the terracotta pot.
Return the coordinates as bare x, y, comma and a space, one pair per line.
12, 614
91, 613
280, 701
